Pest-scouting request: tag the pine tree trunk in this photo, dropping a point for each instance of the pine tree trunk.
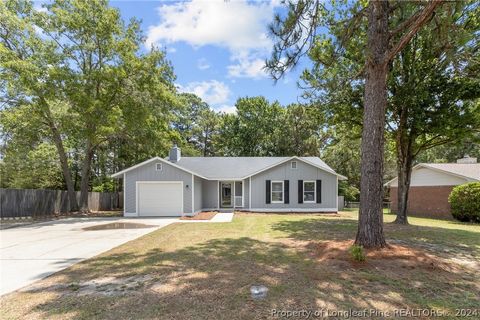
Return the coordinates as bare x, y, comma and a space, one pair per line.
87, 161
370, 224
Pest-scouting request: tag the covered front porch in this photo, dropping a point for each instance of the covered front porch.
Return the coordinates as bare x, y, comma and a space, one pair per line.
231, 194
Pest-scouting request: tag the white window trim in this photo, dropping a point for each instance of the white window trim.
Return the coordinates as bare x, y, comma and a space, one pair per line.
156, 166
314, 192
291, 165
271, 191
249, 192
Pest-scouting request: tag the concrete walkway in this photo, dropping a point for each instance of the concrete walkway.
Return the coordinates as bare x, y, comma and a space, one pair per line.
32, 252
223, 217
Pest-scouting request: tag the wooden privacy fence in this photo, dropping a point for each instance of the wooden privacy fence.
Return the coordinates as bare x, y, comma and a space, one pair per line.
18, 203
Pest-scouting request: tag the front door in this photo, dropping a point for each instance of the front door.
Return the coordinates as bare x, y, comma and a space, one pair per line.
226, 200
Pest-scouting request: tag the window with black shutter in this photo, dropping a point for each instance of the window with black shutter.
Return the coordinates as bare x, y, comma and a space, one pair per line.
286, 187
300, 191
267, 191
319, 191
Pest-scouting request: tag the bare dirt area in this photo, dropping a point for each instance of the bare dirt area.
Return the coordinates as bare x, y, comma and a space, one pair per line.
391, 257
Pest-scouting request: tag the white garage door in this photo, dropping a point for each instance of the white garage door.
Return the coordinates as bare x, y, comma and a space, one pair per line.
160, 199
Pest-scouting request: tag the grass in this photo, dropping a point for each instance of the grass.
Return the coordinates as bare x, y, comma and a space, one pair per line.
205, 270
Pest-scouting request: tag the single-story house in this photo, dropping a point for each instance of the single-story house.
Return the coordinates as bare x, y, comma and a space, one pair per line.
431, 184
179, 185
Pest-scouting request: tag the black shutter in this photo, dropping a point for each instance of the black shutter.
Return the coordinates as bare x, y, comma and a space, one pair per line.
300, 191
267, 191
286, 191
319, 191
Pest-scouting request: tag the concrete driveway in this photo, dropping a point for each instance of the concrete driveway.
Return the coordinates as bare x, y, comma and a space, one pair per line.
32, 252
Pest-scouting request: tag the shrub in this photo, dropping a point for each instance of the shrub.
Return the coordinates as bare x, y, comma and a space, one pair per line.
350, 192
357, 253
465, 202
107, 186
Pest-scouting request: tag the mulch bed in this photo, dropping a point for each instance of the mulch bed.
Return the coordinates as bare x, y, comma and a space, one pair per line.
201, 216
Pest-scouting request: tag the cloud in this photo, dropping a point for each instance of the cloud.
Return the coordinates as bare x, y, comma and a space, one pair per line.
213, 92
239, 26
171, 50
247, 66
226, 109
202, 64
233, 24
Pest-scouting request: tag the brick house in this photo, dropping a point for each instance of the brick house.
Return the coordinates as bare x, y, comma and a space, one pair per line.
431, 184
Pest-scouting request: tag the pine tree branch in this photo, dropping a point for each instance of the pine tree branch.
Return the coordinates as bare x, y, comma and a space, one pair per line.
421, 18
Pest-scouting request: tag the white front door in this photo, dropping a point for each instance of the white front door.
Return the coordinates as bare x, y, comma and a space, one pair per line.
159, 199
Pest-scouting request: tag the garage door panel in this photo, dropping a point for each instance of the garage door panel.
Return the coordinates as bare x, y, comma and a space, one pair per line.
160, 199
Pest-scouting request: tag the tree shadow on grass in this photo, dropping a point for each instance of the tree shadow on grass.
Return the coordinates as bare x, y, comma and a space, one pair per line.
317, 229
458, 252
448, 243
210, 280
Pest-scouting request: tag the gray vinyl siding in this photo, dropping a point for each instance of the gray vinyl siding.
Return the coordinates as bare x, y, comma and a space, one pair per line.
147, 172
304, 171
210, 194
198, 193
238, 193
246, 195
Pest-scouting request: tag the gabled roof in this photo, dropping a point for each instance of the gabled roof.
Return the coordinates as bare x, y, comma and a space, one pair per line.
120, 173
466, 170
235, 168
469, 171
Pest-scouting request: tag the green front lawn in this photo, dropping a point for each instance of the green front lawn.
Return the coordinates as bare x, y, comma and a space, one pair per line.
205, 270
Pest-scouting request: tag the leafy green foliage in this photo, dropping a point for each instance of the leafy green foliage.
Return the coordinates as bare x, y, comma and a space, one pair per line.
75, 77
107, 186
261, 128
450, 152
303, 132
465, 202
350, 192
253, 130
31, 168
357, 253
197, 124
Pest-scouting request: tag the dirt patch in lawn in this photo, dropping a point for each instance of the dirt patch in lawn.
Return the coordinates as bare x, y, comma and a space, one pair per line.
403, 257
104, 286
201, 216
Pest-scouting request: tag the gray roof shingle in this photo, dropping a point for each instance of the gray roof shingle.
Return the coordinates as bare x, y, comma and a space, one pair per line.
238, 167
231, 167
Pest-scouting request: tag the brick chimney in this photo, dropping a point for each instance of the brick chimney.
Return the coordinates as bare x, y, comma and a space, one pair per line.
467, 159
175, 154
